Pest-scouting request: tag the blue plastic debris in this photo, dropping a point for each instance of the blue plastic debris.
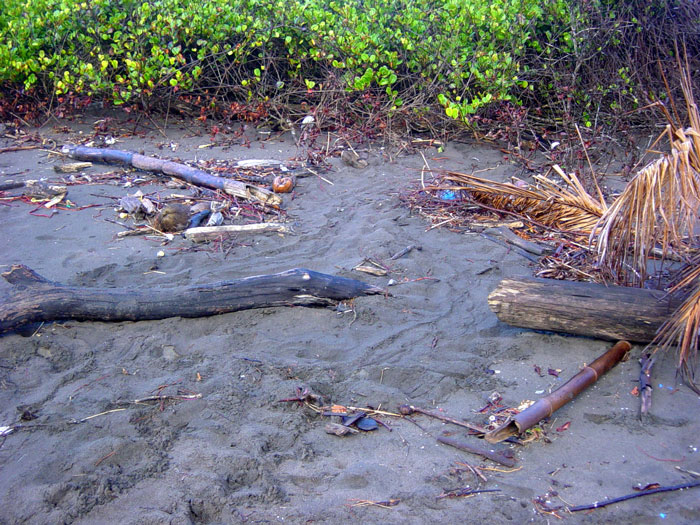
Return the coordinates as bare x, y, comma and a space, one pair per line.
448, 195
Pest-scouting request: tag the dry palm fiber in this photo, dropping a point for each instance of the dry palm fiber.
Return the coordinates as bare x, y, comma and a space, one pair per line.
684, 326
657, 211
568, 208
659, 207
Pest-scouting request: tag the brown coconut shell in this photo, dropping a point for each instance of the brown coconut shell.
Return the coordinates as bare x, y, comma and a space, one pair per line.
282, 184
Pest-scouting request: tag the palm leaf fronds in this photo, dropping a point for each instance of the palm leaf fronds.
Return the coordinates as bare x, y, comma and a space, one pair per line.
683, 327
568, 208
656, 213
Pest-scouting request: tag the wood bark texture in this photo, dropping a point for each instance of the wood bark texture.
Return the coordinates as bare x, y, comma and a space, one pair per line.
36, 299
606, 312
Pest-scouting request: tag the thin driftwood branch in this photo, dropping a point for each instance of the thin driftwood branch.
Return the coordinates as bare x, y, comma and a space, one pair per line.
35, 299
174, 169
606, 502
546, 406
496, 456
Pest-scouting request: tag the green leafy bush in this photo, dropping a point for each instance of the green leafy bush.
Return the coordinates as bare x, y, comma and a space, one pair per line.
467, 52
458, 56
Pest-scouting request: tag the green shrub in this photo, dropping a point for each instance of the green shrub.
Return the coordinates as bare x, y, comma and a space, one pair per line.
457, 55
467, 52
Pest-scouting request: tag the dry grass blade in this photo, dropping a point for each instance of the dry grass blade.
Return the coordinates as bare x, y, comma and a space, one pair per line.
568, 208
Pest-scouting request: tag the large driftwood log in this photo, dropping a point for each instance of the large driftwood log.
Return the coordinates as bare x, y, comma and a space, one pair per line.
175, 169
35, 299
606, 312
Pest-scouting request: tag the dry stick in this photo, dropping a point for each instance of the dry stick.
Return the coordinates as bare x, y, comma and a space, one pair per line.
645, 388
505, 233
405, 251
407, 410
464, 492
97, 463
319, 176
498, 457
691, 472
17, 148
590, 164
546, 406
477, 473
423, 169
511, 247
383, 504
123, 225
208, 233
599, 504
100, 414
159, 398
184, 172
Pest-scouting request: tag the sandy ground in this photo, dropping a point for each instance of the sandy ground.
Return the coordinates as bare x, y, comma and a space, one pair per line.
237, 455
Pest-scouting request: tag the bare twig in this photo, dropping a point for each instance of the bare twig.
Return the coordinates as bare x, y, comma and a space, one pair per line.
458, 493
498, 457
604, 503
407, 410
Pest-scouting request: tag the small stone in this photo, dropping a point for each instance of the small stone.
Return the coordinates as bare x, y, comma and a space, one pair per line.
353, 159
169, 353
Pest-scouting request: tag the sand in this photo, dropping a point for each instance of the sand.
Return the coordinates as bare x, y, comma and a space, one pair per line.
237, 455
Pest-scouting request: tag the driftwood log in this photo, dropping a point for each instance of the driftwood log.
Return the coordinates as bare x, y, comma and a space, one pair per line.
184, 172
36, 299
606, 312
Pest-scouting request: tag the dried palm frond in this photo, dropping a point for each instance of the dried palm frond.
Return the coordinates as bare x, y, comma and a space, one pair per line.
568, 208
657, 212
683, 326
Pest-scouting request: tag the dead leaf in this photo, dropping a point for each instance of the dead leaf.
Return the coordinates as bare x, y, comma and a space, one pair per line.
564, 427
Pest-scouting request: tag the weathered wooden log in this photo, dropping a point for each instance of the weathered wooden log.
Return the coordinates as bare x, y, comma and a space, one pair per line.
606, 312
175, 169
35, 299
